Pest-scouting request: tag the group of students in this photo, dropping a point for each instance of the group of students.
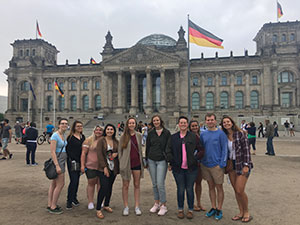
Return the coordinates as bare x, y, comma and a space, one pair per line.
190, 156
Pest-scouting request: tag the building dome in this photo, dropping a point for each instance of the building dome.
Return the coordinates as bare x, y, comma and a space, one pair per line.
159, 40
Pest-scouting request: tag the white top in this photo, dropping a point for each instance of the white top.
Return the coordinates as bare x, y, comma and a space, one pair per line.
231, 150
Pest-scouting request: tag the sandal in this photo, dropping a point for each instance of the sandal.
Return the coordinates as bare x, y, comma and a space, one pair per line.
198, 208
247, 219
236, 218
99, 214
108, 209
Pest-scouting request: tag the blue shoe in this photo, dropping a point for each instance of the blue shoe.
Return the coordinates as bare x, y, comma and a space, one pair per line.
211, 212
219, 214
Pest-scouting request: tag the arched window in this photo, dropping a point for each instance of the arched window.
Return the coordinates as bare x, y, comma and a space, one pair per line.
195, 101
85, 85
239, 100
61, 85
61, 103
97, 85
286, 77
25, 86
195, 81
274, 38
224, 80
21, 53
97, 102
292, 37
49, 103
254, 79
254, 100
27, 52
224, 100
209, 100
33, 52
49, 86
239, 80
73, 85
85, 103
73, 103
209, 81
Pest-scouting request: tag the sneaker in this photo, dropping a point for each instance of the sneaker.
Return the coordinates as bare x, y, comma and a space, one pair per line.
56, 211
211, 212
126, 211
219, 214
189, 215
138, 212
3, 158
155, 208
69, 206
75, 203
48, 207
163, 210
27, 164
91, 205
10, 156
34, 164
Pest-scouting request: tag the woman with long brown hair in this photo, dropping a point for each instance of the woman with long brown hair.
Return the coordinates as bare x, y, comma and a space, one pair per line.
131, 163
239, 156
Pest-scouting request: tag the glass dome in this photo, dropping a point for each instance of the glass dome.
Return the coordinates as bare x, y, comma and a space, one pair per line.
157, 40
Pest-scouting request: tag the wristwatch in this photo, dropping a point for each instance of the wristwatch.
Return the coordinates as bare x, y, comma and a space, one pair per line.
246, 164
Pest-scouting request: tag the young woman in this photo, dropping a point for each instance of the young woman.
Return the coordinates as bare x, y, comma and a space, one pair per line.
261, 130
58, 153
251, 129
131, 163
74, 149
239, 153
108, 166
195, 128
275, 129
89, 163
156, 144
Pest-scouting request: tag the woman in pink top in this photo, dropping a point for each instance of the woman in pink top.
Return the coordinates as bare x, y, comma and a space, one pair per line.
89, 163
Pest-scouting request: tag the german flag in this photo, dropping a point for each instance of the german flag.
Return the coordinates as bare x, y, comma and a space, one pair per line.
279, 10
202, 37
93, 61
38, 29
57, 87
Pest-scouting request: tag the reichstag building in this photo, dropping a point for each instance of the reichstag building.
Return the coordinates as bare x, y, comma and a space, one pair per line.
151, 77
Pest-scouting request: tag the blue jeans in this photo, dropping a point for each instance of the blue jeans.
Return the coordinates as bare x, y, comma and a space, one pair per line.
270, 148
158, 171
185, 180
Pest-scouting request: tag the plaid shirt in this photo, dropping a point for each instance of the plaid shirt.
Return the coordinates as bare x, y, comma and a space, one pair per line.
242, 151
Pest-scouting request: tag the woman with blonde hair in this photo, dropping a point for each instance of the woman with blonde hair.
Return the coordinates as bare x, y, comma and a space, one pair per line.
131, 163
89, 163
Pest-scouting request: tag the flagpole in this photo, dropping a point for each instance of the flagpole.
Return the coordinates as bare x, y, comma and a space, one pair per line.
28, 113
277, 11
54, 93
36, 29
189, 73
41, 113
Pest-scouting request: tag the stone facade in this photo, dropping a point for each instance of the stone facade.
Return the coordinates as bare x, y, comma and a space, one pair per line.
151, 77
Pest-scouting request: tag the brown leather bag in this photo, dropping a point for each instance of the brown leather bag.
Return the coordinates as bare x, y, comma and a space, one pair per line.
229, 166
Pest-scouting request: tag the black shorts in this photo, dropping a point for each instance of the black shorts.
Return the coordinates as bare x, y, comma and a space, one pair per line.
136, 168
90, 174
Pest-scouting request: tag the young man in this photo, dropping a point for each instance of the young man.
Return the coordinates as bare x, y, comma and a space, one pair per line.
215, 158
269, 135
18, 132
6, 138
49, 129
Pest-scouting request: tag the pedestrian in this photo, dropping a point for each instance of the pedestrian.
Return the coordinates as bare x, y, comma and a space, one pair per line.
292, 126
144, 133
6, 139
275, 129
196, 129
89, 164
213, 164
261, 130
156, 144
243, 125
31, 136
74, 150
18, 132
269, 135
58, 145
286, 128
251, 130
240, 159
183, 151
131, 163
108, 166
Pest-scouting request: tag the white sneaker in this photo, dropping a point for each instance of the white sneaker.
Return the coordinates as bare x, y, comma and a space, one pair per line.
163, 210
126, 211
154, 208
138, 211
91, 205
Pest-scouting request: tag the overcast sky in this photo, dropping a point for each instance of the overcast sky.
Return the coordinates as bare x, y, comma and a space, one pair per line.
78, 27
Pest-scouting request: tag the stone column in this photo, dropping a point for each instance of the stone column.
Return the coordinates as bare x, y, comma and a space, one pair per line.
11, 89
177, 90
298, 91
66, 94
148, 108
163, 95
275, 82
105, 89
232, 92
217, 94
91, 95
78, 94
119, 109
202, 92
247, 91
134, 87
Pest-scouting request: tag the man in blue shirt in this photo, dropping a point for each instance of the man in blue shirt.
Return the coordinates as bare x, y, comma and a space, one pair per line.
215, 158
49, 129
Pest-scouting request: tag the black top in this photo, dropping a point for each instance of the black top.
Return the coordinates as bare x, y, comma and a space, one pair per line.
156, 145
31, 133
251, 130
74, 147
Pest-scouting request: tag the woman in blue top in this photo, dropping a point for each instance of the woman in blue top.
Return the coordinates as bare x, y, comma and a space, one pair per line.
58, 153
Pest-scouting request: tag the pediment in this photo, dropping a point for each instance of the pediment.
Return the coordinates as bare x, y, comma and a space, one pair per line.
140, 54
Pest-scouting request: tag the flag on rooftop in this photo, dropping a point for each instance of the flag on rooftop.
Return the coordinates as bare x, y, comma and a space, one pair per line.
279, 10
38, 29
57, 87
201, 37
93, 61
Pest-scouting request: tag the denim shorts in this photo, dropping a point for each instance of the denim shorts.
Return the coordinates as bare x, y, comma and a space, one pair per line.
4, 143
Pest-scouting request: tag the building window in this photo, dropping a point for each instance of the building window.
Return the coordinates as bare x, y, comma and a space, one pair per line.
61, 103
33, 52
239, 100
73, 103
286, 99
254, 79
73, 85
85, 85
61, 85
292, 37
195, 81
85, 103
97, 102
49, 103
49, 86
254, 100
209, 100
283, 37
25, 86
224, 100
195, 101
239, 80
274, 38
27, 52
97, 85
24, 104
209, 81
223, 80
21, 53
285, 77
